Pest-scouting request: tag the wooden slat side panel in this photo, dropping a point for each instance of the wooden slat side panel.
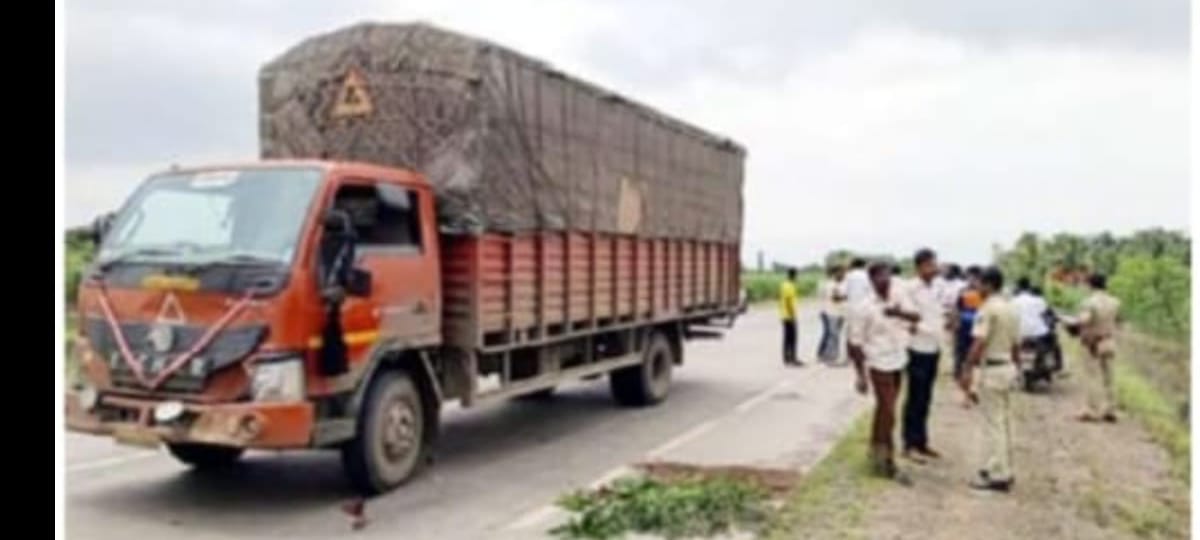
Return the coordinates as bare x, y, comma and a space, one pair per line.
522, 286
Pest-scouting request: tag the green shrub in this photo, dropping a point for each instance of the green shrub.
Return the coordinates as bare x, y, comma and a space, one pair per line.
79, 253
764, 286
1155, 294
683, 509
1064, 297
761, 286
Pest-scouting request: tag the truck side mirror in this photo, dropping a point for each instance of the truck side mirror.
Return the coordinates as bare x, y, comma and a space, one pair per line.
337, 220
354, 281
100, 227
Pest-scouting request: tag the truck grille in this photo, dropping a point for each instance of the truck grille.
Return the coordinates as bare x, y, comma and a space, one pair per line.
226, 349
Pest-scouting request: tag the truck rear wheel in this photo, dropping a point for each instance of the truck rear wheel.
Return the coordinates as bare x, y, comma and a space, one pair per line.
649, 382
205, 456
390, 442
545, 394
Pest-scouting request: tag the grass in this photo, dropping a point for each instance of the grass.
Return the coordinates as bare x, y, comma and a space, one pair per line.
687, 507
1150, 401
69, 364
764, 286
1148, 518
1141, 515
831, 501
1151, 407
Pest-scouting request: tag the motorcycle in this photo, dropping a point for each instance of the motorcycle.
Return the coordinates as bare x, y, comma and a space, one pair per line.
1040, 361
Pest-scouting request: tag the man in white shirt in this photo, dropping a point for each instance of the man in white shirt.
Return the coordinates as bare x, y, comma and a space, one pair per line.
858, 285
953, 285
1032, 310
880, 325
924, 294
832, 294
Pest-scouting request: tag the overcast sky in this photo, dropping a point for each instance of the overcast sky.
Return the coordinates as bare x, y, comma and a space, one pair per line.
877, 126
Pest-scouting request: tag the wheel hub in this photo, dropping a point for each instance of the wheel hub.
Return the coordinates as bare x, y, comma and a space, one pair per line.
399, 430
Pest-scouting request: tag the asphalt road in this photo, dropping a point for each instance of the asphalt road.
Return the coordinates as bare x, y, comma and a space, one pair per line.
499, 468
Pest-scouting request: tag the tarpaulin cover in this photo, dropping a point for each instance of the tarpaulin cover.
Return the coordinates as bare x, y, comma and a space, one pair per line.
508, 142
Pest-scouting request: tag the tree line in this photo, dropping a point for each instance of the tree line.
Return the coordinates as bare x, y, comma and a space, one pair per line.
1149, 270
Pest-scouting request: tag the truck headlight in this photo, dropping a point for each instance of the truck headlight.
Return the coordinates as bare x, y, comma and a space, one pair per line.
278, 379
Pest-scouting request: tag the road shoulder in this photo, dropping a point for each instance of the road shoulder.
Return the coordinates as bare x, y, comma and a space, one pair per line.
1074, 480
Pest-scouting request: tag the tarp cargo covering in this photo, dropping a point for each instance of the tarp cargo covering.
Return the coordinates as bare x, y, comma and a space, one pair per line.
508, 142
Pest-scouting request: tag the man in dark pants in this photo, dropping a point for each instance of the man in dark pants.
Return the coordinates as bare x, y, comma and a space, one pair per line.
964, 315
787, 313
924, 348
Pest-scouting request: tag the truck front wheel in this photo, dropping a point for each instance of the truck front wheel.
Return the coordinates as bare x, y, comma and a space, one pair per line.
649, 382
390, 442
205, 456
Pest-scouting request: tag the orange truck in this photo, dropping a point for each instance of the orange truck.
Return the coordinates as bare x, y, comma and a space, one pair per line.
434, 219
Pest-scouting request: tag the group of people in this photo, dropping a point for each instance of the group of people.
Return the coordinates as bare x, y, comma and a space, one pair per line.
895, 331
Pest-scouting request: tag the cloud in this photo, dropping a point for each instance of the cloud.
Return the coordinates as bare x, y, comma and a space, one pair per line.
903, 140
665, 42
875, 125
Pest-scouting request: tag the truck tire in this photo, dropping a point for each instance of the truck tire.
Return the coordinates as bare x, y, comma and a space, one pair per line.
545, 394
205, 456
649, 382
389, 445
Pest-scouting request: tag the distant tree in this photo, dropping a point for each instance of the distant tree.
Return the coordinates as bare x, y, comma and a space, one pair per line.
1155, 294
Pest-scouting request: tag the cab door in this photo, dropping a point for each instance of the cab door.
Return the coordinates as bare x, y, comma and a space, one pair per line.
396, 242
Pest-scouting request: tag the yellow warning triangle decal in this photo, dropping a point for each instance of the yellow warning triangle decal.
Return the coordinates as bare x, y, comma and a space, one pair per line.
170, 312
353, 99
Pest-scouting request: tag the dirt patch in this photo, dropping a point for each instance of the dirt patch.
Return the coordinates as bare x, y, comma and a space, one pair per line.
1074, 480
774, 481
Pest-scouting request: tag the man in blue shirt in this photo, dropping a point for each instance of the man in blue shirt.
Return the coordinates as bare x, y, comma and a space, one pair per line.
965, 308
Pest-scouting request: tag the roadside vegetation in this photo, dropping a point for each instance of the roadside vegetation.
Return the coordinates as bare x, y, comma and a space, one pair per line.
689, 506
78, 255
1150, 271
832, 499
764, 286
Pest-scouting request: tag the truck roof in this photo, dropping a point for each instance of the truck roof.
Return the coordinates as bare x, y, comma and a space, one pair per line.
354, 168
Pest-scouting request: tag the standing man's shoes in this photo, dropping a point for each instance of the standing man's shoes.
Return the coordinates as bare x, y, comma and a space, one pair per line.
985, 483
890, 471
913, 455
928, 452
1110, 418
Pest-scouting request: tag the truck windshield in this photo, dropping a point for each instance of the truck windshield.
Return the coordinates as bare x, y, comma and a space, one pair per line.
236, 216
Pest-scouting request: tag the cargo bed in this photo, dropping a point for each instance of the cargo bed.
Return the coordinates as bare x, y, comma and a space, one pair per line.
502, 291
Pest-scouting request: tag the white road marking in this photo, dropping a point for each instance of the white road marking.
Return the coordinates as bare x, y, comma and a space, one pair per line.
109, 462
609, 476
541, 515
683, 438
532, 518
761, 397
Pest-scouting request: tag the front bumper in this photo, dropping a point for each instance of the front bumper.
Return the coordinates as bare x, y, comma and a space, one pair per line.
242, 425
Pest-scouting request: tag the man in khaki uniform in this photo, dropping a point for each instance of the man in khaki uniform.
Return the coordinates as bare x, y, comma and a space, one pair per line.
995, 361
1096, 326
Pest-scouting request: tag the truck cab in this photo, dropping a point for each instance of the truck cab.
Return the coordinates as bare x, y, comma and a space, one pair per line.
205, 322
